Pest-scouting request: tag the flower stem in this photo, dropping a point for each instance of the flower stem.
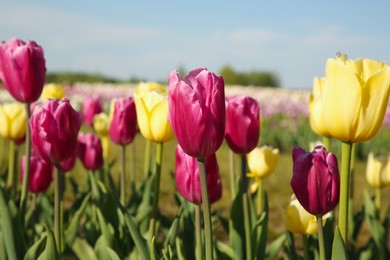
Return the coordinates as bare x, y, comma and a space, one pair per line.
198, 229
344, 189
232, 176
245, 204
26, 177
321, 238
260, 193
57, 208
148, 144
11, 180
206, 210
123, 176
156, 196
326, 143
305, 247
133, 162
378, 199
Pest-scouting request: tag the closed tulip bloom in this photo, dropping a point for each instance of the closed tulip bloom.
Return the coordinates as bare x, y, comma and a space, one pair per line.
91, 107
54, 129
262, 161
378, 171
188, 179
13, 121
317, 123
53, 91
68, 164
123, 126
197, 111
242, 124
298, 220
152, 115
40, 174
144, 87
22, 69
316, 180
101, 124
355, 98
90, 151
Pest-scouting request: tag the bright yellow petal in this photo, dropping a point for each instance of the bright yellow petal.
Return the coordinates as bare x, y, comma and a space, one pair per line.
5, 124
341, 100
373, 170
144, 87
143, 117
315, 109
160, 128
18, 126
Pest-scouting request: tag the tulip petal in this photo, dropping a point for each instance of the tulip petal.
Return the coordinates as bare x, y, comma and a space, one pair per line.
160, 128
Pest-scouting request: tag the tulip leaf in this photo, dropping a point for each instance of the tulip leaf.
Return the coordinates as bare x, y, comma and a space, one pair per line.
106, 229
6, 228
112, 254
3, 253
153, 250
50, 251
172, 233
72, 229
83, 250
180, 250
36, 249
140, 243
236, 225
261, 231
276, 246
339, 251
224, 252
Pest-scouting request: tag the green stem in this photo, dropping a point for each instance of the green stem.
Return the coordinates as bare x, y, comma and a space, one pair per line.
326, 143
305, 247
156, 196
198, 229
206, 210
260, 194
344, 190
351, 220
123, 176
378, 199
321, 241
133, 166
232, 175
26, 176
11, 181
57, 208
245, 203
148, 144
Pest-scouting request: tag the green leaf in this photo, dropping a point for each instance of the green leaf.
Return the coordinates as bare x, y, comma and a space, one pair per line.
106, 229
73, 227
3, 253
224, 252
140, 243
276, 246
236, 225
83, 250
50, 251
338, 250
172, 233
260, 231
179, 250
153, 250
6, 228
35, 250
112, 254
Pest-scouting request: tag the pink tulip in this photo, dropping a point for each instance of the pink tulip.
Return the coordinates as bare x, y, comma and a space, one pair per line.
22, 69
197, 111
123, 125
90, 151
242, 124
188, 179
316, 180
91, 107
40, 174
68, 164
54, 129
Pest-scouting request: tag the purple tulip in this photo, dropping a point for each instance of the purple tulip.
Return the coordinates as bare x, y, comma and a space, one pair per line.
242, 124
68, 164
22, 69
123, 125
188, 179
316, 180
40, 174
54, 129
91, 107
90, 151
197, 111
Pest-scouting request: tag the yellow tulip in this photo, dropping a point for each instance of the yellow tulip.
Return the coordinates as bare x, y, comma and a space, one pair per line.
354, 98
53, 91
144, 87
378, 171
298, 220
101, 124
315, 109
105, 140
12, 121
152, 115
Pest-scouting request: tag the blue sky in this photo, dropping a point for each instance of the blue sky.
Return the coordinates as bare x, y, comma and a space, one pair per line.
148, 39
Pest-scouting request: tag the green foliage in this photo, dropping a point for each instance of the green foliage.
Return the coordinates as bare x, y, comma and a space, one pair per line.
253, 77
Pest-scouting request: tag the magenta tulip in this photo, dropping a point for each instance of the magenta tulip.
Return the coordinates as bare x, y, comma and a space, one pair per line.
54, 129
197, 111
123, 125
40, 174
188, 179
68, 164
22, 69
316, 180
91, 107
242, 124
90, 151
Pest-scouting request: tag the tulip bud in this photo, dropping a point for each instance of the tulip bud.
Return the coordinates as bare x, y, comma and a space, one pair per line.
197, 111
91, 107
188, 179
90, 152
378, 171
40, 174
123, 126
53, 91
242, 124
316, 180
298, 220
22, 69
54, 129
101, 124
13, 121
262, 161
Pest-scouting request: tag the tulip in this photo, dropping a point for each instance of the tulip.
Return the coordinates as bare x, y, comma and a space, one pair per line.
123, 126
90, 152
101, 124
152, 115
317, 123
54, 129
355, 96
188, 179
40, 174
242, 124
378, 171
144, 87
13, 121
91, 107
22, 69
298, 220
197, 111
316, 180
53, 91
68, 164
